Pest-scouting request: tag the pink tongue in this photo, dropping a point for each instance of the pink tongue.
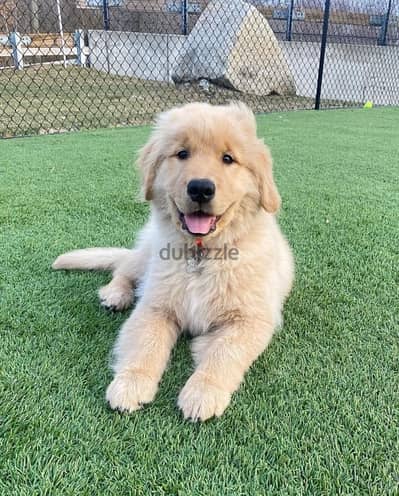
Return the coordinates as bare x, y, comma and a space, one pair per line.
199, 224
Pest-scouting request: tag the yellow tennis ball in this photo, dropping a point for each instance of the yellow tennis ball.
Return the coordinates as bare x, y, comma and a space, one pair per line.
368, 105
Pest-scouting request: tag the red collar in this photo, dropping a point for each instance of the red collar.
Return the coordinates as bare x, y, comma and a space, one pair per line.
198, 242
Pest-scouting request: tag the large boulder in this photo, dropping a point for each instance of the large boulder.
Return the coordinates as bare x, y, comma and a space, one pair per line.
233, 45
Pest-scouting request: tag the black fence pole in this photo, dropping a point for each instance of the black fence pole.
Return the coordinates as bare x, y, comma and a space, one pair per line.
106, 28
106, 15
288, 34
322, 53
184, 14
383, 39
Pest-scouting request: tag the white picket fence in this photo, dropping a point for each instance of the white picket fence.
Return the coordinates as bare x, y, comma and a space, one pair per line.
19, 47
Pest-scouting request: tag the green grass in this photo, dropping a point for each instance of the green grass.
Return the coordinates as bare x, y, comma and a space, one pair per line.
46, 100
317, 413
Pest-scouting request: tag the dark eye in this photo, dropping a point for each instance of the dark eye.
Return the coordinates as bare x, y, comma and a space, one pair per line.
228, 159
183, 155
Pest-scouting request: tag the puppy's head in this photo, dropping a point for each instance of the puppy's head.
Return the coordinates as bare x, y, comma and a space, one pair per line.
204, 168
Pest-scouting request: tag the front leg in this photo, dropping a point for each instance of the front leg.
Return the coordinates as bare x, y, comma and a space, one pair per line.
222, 359
141, 355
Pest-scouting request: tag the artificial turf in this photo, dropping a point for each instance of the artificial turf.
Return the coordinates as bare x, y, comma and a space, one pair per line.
317, 413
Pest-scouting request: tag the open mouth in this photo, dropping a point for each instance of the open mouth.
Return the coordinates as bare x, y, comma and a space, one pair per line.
198, 223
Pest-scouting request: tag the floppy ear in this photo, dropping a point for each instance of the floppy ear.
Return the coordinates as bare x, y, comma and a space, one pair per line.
152, 155
149, 160
269, 197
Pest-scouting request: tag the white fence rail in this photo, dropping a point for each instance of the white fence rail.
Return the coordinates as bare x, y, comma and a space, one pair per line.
19, 47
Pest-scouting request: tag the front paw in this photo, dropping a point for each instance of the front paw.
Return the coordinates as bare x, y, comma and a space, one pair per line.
130, 390
201, 400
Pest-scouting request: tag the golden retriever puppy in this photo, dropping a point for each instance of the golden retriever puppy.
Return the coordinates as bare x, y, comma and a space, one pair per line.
211, 260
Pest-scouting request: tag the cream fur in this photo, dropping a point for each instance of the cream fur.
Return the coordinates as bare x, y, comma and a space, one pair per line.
231, 307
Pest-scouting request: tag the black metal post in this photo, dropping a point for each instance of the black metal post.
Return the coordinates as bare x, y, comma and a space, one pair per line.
322, 53
106, 22
288, 33
383, 38
106, 15
184, 16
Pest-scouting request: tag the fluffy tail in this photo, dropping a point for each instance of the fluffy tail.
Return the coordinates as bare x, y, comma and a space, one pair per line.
91, 259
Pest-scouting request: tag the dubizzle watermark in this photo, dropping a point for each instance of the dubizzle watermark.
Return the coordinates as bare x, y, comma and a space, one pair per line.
187, 252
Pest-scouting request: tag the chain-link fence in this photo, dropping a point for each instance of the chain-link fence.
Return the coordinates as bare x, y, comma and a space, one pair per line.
73, 64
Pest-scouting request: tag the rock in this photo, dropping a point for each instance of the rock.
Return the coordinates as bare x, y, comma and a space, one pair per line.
204, 84
233, 45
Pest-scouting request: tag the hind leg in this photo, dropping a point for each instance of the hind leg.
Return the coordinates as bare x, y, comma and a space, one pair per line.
119, 293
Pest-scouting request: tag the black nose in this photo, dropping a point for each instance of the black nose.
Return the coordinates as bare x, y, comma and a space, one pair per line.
201, 190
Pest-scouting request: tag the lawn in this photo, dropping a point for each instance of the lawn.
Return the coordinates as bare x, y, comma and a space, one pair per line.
44, 100
317, 413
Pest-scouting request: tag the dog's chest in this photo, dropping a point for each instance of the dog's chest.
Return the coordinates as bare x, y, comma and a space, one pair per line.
197, 293
201, 298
